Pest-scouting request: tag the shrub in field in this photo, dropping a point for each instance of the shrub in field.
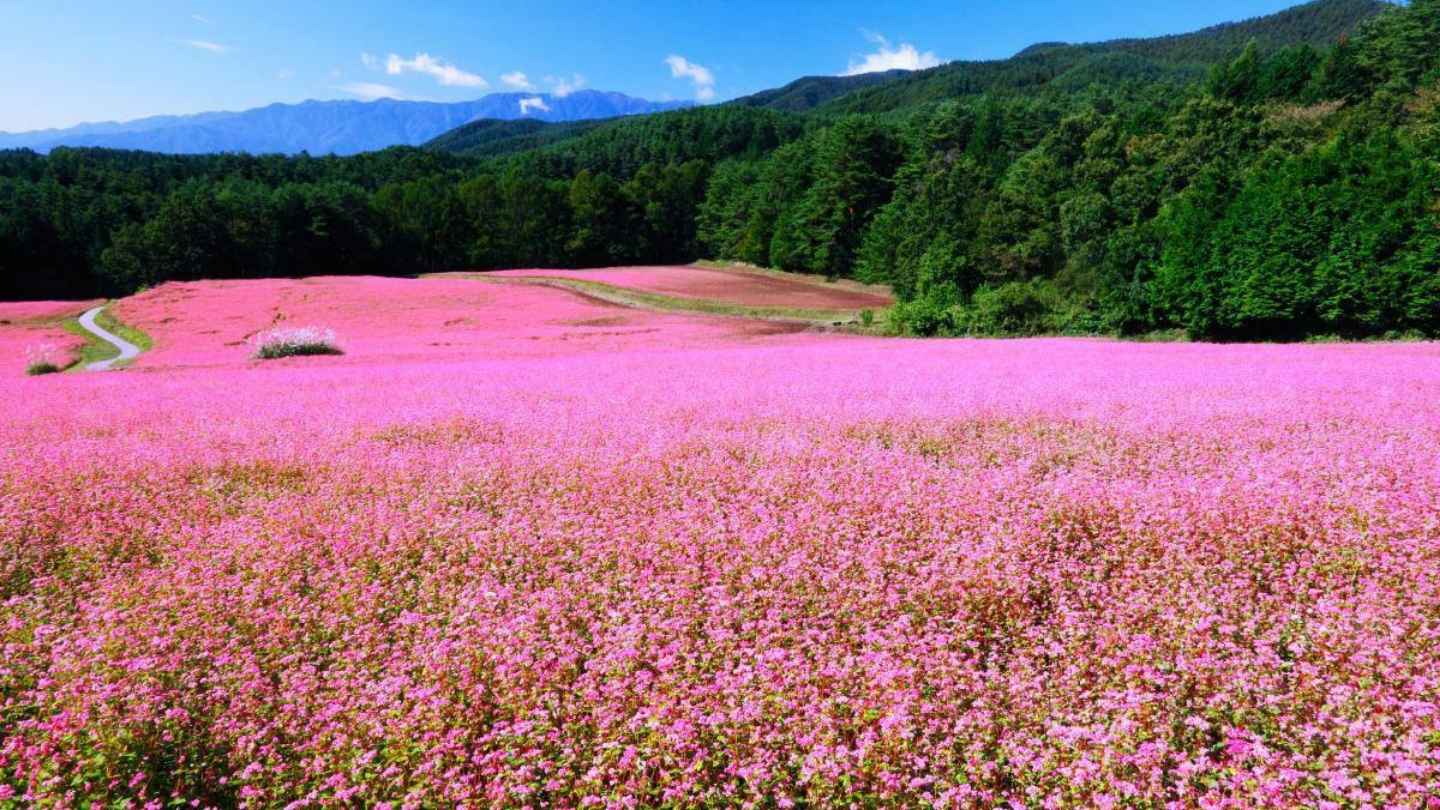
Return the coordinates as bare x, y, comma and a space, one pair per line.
929, 315
43, 360
1017, 309
295, 342
39, 369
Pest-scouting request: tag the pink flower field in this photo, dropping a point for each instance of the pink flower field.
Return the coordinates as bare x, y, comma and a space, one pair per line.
520, 549
33, 327
387, 321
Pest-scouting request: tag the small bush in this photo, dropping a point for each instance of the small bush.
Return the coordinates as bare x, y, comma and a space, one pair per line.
924, 317
305, 341
1017, 309
1161, 336
42, 360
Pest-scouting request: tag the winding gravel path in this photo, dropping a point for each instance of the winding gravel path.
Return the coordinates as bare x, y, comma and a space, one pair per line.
128, 351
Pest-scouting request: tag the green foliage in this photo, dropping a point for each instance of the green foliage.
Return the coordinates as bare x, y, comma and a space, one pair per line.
621, 147
1401, 47
1338, 240
1239, 80
810, 92
242, 229
277, 351
744, 212
42, 368
495, 138
1014, 309
854, 163
1169, 60
1261, 211
933, 314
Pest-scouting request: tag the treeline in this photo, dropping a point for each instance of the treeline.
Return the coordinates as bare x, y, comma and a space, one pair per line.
87, 222
84, 222
1293, 195
1291, 192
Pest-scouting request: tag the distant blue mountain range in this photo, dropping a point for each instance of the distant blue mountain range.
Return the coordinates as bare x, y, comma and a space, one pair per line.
331, 127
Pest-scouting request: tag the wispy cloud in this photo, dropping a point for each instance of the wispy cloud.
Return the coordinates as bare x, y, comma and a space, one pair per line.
443, 72
704, 80
285, 75
560, 87
891, 57
517, 80
202, 19
537, 103
371, 91
206, 45
370, 61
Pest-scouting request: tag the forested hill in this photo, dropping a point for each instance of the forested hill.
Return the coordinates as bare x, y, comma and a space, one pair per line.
622, 146
1290, 190
812, 91
1053, 66
1177, 58
492, 137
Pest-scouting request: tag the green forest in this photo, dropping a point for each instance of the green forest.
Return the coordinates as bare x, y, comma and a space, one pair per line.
1275, 179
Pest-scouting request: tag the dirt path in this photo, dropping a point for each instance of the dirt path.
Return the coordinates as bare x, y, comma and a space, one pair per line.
733, 285
730, 292
128, 351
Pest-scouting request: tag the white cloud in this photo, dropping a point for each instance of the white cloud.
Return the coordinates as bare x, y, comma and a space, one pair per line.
891, 57
443, 72
682, 68
203, 45
285, 75
202, 19
370, 60
370, 91
537, 103
517, 80
562, 87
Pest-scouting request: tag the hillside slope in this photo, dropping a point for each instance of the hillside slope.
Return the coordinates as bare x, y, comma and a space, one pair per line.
621, 146
493, 137
1177, 58
812, 91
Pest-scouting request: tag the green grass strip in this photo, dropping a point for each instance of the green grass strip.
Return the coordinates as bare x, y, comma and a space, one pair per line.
639, 299
95, 349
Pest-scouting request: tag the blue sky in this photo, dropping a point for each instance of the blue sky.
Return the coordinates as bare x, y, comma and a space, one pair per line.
67, 61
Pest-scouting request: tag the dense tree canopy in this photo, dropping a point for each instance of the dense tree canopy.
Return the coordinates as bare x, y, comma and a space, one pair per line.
1295, 192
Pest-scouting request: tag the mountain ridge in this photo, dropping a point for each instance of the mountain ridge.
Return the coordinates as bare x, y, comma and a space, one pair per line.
341, 127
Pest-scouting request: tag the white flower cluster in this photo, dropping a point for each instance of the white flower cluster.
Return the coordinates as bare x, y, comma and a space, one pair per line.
44, 353
294, 342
